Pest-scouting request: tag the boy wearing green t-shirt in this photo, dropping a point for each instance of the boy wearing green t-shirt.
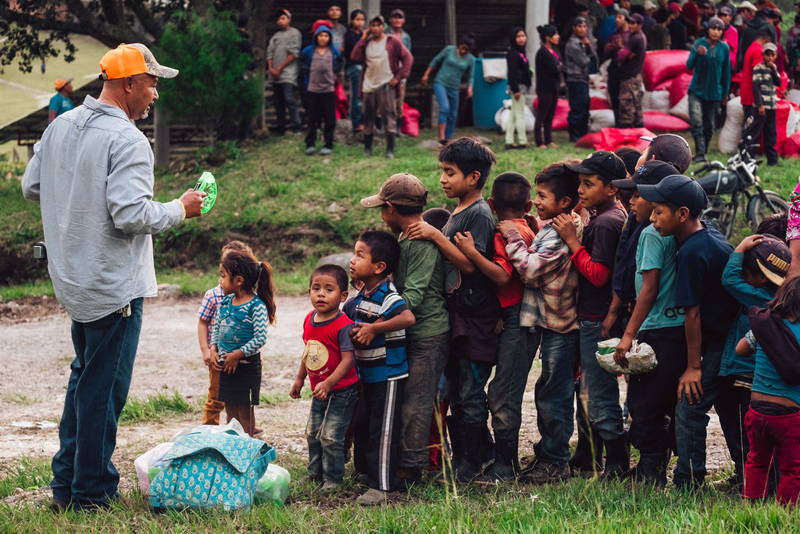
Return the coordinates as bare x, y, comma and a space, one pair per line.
419, 279
659, 323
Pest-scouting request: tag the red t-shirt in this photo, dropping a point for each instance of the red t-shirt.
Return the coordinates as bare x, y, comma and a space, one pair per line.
325, 343
511, 293
752, 57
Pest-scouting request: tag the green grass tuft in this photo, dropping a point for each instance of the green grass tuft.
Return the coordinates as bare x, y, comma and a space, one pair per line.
154, 408
27, 474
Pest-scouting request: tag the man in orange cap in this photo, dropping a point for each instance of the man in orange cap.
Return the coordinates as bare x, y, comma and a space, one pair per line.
60, 102
92, 173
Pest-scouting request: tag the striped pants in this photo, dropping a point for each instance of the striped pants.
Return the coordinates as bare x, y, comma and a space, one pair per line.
377, 433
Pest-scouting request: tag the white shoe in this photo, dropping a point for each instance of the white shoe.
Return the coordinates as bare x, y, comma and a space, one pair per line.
310, 150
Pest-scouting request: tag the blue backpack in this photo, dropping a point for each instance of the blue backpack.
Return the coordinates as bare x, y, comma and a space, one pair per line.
209, 469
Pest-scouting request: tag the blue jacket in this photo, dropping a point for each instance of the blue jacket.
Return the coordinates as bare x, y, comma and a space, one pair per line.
307, 54
748, 296
712, 72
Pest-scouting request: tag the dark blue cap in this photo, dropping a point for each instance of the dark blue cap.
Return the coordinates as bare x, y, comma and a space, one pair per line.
678, 190
650, 173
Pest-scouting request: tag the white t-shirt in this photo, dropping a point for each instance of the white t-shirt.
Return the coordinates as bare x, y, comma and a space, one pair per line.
378, 72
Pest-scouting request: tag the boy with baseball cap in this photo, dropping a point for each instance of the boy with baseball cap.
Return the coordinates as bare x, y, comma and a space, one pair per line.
708, 314
419, 279
755, 270
657, 321
593, 256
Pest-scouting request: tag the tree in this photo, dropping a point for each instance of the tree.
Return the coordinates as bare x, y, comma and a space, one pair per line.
32, 30
214, 89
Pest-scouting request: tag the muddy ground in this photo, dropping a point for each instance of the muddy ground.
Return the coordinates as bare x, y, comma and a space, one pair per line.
36, 352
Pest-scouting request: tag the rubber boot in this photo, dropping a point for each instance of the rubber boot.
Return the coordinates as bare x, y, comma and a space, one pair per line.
651, 469
617, 458
390, 145
470, 465
506, 462
368, 144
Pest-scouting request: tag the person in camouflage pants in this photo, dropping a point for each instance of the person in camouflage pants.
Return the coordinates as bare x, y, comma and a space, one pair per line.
631, 92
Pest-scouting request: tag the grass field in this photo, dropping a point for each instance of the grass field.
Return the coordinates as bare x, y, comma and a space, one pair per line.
579, 506
292, 208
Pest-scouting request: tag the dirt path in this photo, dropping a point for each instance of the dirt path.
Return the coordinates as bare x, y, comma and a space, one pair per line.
37, 353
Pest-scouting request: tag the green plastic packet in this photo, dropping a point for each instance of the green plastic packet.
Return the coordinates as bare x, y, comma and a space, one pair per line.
208, 185
607, 346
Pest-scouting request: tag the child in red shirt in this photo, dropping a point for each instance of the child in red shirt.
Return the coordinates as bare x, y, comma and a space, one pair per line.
510, 201
329, 363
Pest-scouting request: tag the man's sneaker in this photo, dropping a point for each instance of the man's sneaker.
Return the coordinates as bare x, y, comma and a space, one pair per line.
372, 497
310, 151
326, 151
698, 158
330, 487
546, 473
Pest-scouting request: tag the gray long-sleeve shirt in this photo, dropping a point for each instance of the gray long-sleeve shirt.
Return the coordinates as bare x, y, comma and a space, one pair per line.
92, 173
577, 58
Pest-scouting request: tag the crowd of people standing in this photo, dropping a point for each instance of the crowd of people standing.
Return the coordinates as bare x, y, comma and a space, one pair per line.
726, 42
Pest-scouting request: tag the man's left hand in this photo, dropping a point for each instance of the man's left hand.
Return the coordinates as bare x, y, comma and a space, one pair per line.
192, 202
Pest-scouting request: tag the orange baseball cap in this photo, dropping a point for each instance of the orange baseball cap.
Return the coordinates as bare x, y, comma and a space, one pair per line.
60, 83
130, 60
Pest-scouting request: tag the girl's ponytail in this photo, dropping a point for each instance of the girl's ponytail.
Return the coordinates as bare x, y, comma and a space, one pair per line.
265, 289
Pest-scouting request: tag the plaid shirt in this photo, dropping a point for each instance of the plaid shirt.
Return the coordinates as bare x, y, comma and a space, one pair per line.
765, 80
551, 281
209, 308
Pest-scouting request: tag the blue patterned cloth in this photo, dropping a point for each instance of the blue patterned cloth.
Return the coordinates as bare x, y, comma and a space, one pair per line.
209, 469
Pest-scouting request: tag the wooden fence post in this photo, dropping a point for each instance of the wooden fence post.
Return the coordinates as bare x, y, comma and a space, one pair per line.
160, 138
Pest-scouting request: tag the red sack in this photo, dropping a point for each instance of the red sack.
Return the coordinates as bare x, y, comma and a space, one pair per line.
589, 140
599, 103
342, 103
560, 116
784, 108
660, 65
664, 122
791, 146
613, 138
663, 86
410, 120
679, 88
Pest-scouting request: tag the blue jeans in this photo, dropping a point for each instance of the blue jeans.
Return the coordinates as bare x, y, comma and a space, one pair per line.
283, 95
447, 99
466, 382
514, 358
554, 394
605, 412
579, 103
702, 116
691, 421
354, 77
325, 433
96, 392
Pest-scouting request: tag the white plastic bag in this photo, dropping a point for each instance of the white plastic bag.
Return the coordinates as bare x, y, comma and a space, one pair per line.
149, 464
503, 115
731, 133
641, 358
681, 109
600, 118
494, 69
793, 95
656, 101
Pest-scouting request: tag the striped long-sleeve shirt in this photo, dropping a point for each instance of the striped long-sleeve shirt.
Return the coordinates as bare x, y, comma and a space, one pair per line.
765, 80
551, 280
240, 327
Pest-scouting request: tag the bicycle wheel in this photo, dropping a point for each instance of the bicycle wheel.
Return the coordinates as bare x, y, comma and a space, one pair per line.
757, 210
